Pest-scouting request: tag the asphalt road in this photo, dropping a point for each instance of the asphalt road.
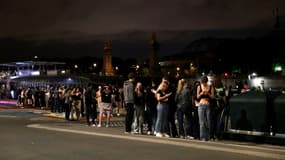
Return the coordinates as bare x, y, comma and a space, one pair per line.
36, 137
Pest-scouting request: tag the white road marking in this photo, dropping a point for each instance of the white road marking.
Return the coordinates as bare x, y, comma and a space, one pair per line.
7, 116
224, 148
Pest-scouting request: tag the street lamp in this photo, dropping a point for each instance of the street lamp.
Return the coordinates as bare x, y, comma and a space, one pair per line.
177, 69
177, 73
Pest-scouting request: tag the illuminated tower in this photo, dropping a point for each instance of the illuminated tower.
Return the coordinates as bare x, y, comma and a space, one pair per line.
154, 68
107, 59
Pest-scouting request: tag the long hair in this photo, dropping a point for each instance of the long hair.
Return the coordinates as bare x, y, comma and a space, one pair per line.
180, 85
139, 88
162, 86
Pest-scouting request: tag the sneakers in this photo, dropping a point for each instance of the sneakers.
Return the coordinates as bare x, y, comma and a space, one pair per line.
135, 132
93, 125
189, 137
148, 132
99, 125
159, 135
166, 135
182, 137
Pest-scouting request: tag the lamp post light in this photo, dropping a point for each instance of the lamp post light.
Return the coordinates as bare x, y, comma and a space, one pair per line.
177, 72
116, 69
94, 67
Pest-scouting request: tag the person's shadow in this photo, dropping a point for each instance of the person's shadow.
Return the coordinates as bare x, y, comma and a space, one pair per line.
243, 122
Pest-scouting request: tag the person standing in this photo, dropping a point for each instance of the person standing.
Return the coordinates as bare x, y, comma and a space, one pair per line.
139, 107
218, 107
76, 103
183, 99
205, 93
67, 103
151, 103
195, 105
91, 105
106, 105
162, 96
172, 108
129, 89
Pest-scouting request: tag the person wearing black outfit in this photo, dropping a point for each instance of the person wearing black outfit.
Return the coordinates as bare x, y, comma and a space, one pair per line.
195, 105
91, 105
129, 89
151, 103
171, 126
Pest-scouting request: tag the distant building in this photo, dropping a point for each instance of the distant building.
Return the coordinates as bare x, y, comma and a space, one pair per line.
33, 68
154, 68
107, 59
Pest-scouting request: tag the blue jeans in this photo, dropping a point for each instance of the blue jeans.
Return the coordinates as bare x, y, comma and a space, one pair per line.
185, 110
139, 118
161, 121
204, 121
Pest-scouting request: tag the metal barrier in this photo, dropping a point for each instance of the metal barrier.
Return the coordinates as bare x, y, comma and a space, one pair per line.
278, 124
248, 113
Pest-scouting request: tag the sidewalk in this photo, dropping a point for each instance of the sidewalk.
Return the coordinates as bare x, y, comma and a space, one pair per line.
11, 104
118, 122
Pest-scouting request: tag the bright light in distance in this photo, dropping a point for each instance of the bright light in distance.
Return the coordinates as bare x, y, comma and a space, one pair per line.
278, 68
254, 74
63, 72
35, 73
257, 81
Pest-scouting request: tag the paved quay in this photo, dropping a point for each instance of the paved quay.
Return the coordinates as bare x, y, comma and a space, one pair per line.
116, 124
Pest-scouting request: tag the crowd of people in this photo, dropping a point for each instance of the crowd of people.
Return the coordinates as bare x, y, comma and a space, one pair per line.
163, 108
185, 110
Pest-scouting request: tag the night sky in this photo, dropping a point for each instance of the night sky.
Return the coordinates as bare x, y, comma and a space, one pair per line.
94, 20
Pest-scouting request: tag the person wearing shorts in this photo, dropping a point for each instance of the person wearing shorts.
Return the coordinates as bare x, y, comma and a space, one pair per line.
106, 105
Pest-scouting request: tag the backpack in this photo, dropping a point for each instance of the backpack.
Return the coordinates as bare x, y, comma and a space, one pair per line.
129, 89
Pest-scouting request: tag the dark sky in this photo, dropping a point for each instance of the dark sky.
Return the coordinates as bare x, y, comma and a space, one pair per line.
51, 19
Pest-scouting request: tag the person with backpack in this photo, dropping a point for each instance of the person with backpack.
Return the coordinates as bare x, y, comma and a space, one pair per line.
129, 92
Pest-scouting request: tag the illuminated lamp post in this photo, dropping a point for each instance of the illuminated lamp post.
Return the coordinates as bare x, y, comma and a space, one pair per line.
95, 66
137, 69
177, 72
76, 68
116, 69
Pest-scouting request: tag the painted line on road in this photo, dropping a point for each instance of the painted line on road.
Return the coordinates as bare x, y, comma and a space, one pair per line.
226, 148
7, 116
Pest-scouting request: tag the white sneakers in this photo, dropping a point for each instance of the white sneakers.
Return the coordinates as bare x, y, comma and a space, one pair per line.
158, 135
162, 135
